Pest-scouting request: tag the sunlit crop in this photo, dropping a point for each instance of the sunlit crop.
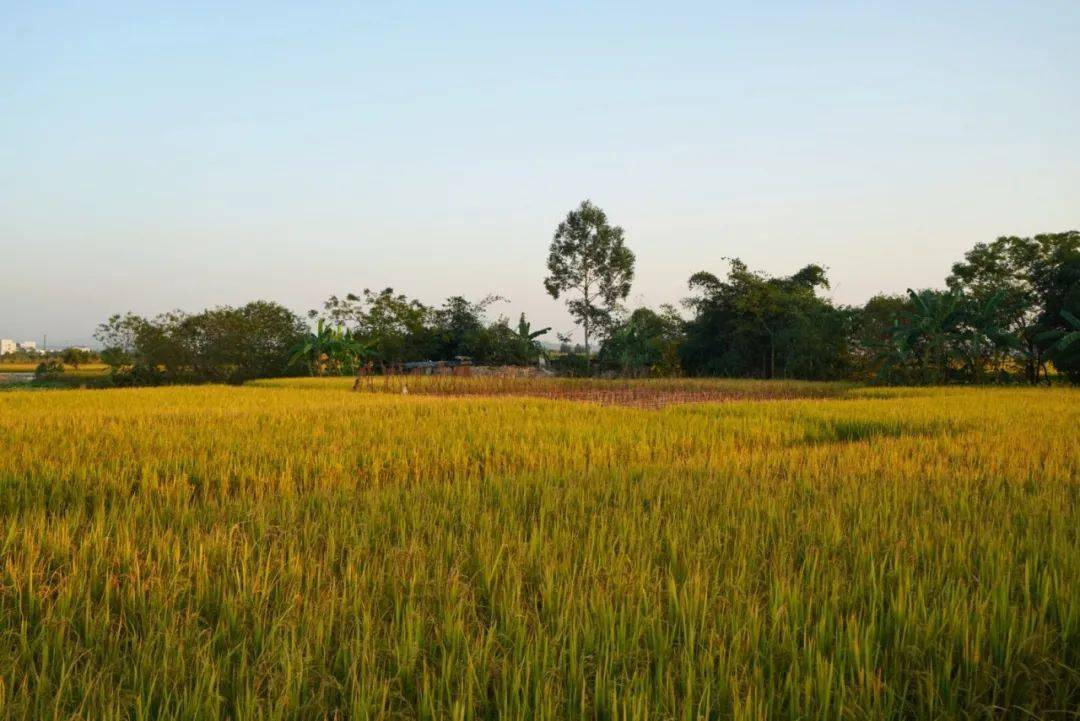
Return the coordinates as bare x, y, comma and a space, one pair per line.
23, 367
17, 367
291, 549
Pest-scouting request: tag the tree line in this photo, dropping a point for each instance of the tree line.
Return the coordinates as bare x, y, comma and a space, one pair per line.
1009, 312
264, 339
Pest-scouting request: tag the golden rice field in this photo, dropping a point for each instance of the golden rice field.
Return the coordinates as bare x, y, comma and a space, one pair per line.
30, 367
291, 550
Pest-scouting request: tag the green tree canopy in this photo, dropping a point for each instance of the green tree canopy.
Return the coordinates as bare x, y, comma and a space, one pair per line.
645, 343
226, 344
1020, 272
1060, 318
754, 325
589, 261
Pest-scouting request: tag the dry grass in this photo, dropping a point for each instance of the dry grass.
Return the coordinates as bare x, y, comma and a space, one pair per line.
293, 550
644, 393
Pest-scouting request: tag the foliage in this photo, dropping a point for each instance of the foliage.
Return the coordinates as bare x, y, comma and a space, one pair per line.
753, 325
76, 357
460, 332
1019, 272
588, 258
1060, 289
527, 338
999, 320
928, 328
1065, 350
525, 331
397, 329
329, 350
217, 345
646, 343
49, 369
572, 364
943, 336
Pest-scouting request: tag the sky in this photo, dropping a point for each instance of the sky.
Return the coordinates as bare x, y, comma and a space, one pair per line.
183, 155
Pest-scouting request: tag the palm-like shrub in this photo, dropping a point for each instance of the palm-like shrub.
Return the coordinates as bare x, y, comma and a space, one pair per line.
527, 338
945, 332
1065, 351
330, 351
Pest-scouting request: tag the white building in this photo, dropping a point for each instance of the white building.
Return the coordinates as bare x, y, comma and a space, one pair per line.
29, 346
7, 346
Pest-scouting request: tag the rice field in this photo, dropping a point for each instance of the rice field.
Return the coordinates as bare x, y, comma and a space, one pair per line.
6, 367
17, 367
642, 393
292, 550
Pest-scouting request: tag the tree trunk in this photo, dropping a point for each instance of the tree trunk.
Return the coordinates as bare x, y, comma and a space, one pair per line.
588, 360
588, 308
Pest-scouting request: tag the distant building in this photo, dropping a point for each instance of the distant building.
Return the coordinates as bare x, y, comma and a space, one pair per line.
8, 346
28, 346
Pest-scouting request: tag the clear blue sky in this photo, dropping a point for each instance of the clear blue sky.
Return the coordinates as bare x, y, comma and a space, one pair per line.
180, 155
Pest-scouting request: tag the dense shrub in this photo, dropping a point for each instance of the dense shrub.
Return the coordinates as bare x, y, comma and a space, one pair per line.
225, 344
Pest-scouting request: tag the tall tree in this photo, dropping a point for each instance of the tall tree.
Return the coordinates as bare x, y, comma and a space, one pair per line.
645, 343
219, 344
398, 328
928, 332
1020, 272
751, 324
75, 357
589, 259
1060, 321
460, 330
875, 349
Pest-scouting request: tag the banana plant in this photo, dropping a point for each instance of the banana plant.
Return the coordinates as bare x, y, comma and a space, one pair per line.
930, 326
329, 348
1064, 338
525, 331
983, 333
527, 336
350, 352
891, 356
